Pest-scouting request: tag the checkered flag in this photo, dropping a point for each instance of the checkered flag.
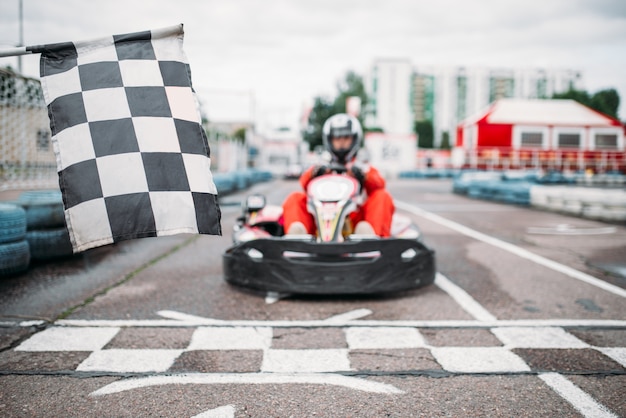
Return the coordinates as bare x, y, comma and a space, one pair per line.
132, 156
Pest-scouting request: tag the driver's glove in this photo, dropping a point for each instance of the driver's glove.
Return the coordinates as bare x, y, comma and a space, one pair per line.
320, 170
358, 174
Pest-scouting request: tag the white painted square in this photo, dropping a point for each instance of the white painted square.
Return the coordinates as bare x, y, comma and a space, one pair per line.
168, 48
106, 104
137, 73
73, 145
383, 337
174, 212
478, 360
616, 353
69, 339
156, 134
537, 337
182, 103
231, 338
198, 168
305, 361
129, 361
61, 84
122, 174
84, 231
96, 50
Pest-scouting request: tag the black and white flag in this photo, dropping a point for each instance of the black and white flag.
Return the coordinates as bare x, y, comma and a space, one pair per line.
132, 156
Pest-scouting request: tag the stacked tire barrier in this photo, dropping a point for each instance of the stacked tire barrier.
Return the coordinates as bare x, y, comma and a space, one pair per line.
239, 180
428, 173
14, 249
32, 228
555, 192
46, 233
592, 203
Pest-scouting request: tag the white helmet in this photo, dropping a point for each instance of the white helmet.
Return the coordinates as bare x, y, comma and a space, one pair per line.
342, 125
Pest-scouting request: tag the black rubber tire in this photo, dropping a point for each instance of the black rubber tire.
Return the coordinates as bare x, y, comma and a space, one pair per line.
44, 208
47, 244
12, 223
14, 258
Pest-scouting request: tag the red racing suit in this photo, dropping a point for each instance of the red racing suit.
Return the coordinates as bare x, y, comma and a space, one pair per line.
377, 209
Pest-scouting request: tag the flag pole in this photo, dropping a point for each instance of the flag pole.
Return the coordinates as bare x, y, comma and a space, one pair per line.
14, 52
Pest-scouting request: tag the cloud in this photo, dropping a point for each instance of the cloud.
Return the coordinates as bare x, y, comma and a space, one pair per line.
289, 51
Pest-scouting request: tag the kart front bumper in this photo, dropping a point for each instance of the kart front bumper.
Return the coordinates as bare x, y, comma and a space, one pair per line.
352, 267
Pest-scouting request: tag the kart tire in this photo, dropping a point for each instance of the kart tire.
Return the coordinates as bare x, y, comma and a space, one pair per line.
47, 244
14, 258
44, 208
12, 223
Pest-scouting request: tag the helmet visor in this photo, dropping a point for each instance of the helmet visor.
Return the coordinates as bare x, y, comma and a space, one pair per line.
341, 131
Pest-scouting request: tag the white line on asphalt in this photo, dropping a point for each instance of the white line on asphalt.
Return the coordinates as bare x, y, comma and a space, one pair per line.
249, 378
364, 338
536, 337
349, 316
580, 400
576, 274
129, 360
479, 360
305, 360
227, 411
596, 323
463, 298
616, 353
69, 339
8, 324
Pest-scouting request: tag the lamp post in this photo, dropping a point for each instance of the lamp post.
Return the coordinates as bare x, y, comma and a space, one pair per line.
21, 34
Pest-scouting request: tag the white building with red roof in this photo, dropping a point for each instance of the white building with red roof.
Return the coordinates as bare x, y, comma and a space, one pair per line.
535, 133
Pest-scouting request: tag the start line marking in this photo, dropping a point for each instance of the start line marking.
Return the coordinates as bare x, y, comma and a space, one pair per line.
282, 366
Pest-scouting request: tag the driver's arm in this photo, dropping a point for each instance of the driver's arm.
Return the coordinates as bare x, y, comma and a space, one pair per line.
306, 177
373, 180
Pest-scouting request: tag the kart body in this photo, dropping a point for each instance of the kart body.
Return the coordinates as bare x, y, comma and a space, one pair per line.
335, 261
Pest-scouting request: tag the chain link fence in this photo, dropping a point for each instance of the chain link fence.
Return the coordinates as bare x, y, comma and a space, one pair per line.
27, 159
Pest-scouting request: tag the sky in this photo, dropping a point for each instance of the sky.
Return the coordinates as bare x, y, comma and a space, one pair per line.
265, 59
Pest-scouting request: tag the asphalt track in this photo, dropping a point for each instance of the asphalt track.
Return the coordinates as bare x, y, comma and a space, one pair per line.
526, 318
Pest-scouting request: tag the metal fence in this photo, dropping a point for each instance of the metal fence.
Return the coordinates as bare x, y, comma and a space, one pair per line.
26, 156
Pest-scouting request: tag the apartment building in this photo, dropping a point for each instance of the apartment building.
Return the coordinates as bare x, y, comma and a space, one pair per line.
401, 93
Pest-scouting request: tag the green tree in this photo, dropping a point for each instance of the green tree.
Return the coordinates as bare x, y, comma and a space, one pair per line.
240, 135
351, 85
323, 108
604, 101
580, 96
425, 133
445, 140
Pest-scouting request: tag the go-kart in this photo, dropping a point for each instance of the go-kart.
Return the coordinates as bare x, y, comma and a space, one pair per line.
335, 260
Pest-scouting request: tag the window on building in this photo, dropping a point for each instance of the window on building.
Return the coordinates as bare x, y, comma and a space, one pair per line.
569, 140
542, 88
606, 141
531, 140
501, 87
461, 85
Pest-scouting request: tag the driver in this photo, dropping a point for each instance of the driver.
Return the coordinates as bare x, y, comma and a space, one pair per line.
342, 136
